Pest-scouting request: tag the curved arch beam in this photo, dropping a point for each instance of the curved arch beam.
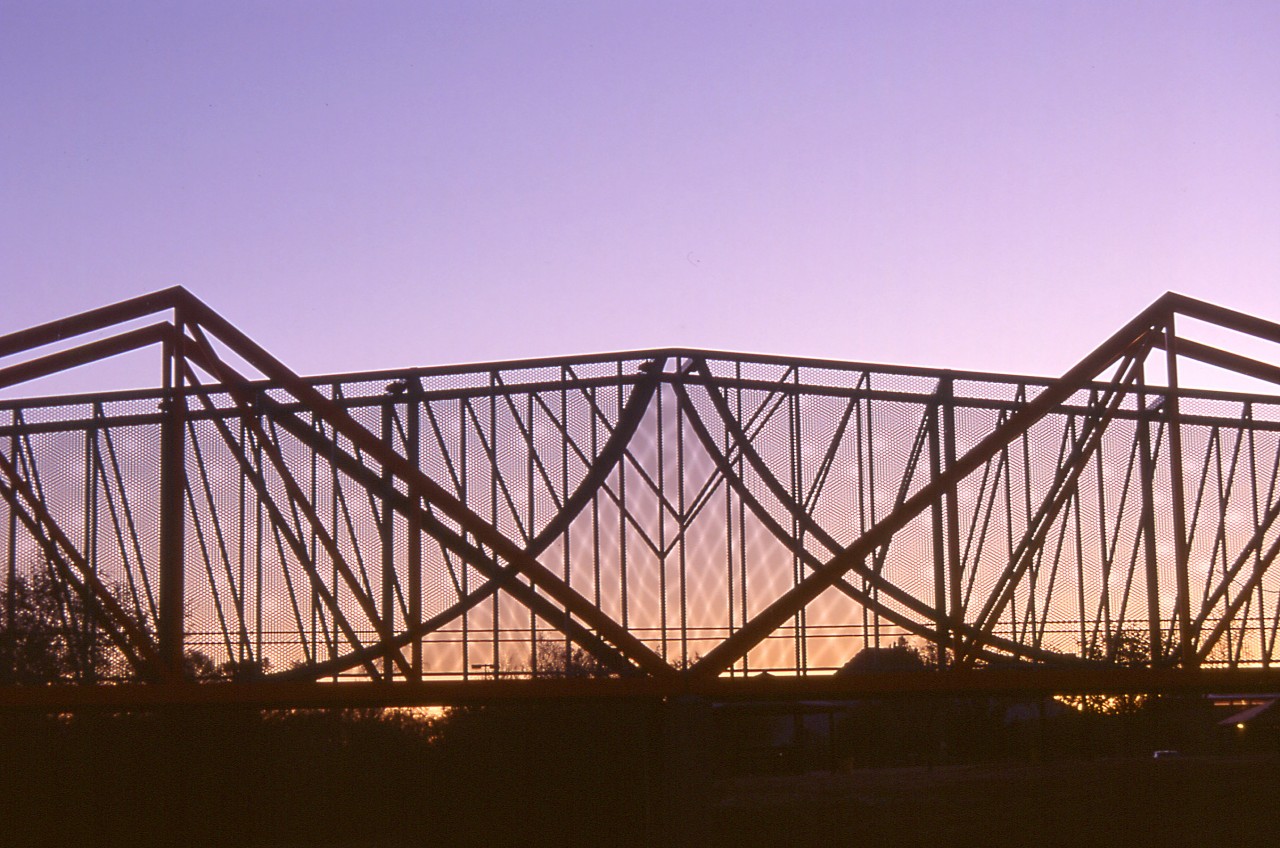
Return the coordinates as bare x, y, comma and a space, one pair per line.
503, 576
911, 625
419, 485
1125, 342
610, 455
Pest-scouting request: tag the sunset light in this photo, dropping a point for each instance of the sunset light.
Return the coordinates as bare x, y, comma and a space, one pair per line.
655, 424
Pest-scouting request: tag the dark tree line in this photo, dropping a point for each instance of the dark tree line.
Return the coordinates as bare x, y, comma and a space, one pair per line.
49, 635
483, 775
592, 772
511, 774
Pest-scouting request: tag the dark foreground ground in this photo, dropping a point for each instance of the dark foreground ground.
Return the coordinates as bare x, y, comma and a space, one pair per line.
1188, 801
1191, 801
578, 777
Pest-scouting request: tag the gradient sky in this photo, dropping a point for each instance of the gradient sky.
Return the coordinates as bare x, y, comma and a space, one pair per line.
981, 185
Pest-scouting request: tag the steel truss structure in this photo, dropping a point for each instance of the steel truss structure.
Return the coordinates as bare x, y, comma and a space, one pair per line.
673, 521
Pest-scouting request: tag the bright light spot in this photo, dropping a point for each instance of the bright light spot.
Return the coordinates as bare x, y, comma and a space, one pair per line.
1240, 726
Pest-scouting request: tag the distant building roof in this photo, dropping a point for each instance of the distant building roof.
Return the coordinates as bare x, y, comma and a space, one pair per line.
1248, 715
900, 657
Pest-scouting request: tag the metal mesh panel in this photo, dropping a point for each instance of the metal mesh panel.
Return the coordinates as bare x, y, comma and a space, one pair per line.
681, 517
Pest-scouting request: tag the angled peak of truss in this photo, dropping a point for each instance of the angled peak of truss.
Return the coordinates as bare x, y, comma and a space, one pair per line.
197, 337
1126, 350
101, 318
62, 345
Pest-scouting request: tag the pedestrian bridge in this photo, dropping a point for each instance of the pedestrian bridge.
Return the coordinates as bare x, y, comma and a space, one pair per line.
640, 524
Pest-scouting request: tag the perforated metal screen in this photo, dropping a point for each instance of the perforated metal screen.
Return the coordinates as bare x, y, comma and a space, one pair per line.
681, 494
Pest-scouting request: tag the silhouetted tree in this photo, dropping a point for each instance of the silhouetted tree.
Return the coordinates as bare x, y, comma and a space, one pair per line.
1125, 648
48, 634
200, 667
555, 658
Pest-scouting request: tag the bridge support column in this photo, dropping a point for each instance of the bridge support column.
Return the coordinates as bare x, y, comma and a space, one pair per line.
172, 512
946, 521
1150, 560
1182, 601
414, 541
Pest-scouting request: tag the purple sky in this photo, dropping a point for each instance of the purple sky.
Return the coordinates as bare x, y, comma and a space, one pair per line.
364, 185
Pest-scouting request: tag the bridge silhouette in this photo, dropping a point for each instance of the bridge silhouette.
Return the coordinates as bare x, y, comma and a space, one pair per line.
673, 521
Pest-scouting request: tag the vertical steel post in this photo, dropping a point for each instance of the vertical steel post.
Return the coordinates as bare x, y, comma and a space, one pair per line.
463, 568
241, 556
565, 374
172, 507
531, 455
494, 477
1247, 417
742, 524
683, 530
1148, 518
728, 541
335, 484
259, 541
313, 541
1182, 601
950, 498
939, 536
413, 552
946, 518
388, 530
869, 434
662, 527
90, 623
11, 561
796, 484
622, 523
